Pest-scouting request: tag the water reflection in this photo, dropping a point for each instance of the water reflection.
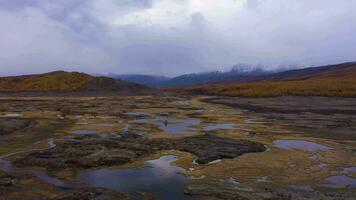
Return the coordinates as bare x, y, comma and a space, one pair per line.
158, 177
171, 125
301, 145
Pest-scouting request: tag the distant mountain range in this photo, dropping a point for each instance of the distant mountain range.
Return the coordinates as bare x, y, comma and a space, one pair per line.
242, 80
331, 80
240, 71
66, 82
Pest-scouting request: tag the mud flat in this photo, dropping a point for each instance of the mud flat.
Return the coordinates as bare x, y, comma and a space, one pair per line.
332, 118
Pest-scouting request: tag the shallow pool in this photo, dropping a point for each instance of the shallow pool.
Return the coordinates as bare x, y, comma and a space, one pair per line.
301, 145
158, 177
342, 181
227, 126
171, 125
84, 132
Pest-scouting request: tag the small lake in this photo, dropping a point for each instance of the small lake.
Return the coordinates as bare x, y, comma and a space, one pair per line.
300, 145
158, 177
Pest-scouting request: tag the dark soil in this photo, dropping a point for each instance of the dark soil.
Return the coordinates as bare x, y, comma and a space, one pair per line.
94, 153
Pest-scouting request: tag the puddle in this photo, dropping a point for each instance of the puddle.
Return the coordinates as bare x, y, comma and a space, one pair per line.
231, 181
105, 117
158, 177
5, 165
171, 125
322, 165
313, 157
137, 113
341, 181
197, 177
104, 125
104, 136
219, 126
126, 127
263, 179
12, 115
301, 187
84, 132
301, 145
348, 170
253, 121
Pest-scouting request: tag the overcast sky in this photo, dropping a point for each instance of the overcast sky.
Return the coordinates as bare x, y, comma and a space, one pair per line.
170, 37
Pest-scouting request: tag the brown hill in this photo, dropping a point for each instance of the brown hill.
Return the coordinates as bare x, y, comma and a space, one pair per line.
67, 82
332, 80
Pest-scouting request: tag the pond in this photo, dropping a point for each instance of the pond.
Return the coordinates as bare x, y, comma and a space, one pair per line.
342, 181
300, 145
158, 177
227, 126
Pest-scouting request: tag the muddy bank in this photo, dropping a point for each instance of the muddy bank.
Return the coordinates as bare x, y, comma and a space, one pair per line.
331, 118
90, 194
17, 186
231, 192
290, 105
130, 147
11, 124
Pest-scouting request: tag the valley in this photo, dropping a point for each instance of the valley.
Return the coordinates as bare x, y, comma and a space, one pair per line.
177, 147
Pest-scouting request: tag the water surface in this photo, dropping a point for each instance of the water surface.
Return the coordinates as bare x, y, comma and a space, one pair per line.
104, 125
13, 115
171, 125
84, 132
342, 181
227, 126
158, 177
300, 145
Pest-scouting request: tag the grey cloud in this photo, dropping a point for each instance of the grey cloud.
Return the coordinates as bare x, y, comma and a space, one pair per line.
38, 36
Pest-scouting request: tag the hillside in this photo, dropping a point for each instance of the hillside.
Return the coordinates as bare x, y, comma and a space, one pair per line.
61, 82
332, 80
148, 80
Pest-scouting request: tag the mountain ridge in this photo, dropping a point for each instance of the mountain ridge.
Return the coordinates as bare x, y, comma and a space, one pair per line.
331, 80
192, 78
62, 82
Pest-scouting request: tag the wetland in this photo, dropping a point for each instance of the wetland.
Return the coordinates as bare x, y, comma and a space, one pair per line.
177, 147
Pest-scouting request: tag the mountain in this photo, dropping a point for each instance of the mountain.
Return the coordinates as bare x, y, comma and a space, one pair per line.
151, 81
237, 72
60, 81
331, 80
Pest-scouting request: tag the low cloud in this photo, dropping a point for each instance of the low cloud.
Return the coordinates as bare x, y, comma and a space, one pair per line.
172, 37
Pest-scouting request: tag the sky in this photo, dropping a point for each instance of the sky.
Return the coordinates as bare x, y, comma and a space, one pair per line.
172, 37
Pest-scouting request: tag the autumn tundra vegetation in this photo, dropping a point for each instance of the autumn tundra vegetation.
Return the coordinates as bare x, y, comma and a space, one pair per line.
335, 81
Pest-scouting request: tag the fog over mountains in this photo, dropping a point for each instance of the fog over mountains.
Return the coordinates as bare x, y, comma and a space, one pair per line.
237, 72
